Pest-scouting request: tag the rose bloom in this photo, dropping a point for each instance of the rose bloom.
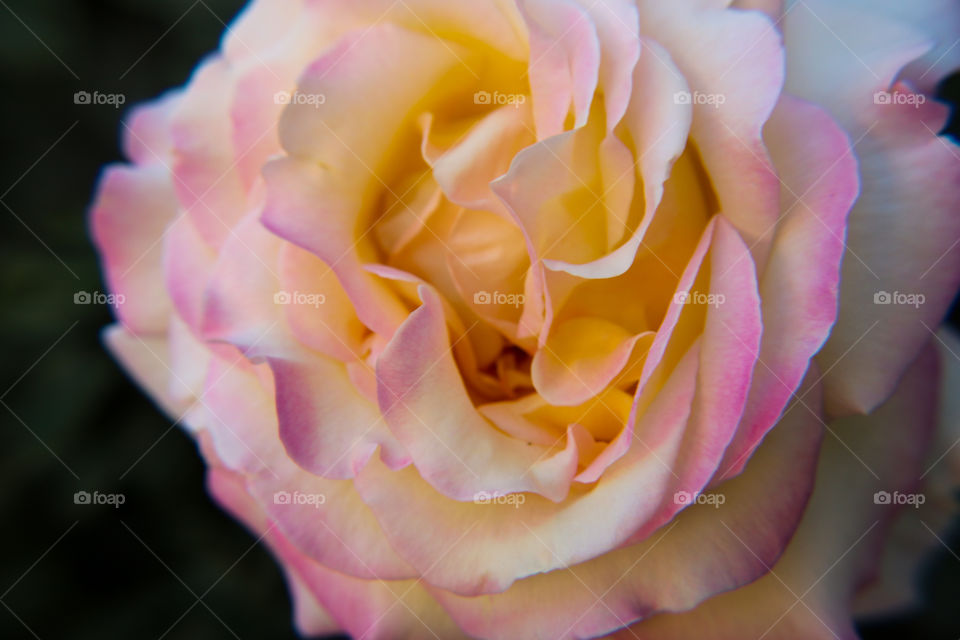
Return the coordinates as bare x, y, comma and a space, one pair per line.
556, 319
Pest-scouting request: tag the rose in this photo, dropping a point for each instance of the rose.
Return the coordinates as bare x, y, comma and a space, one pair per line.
613, 214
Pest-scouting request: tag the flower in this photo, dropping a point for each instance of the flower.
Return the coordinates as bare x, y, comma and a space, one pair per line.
526, 319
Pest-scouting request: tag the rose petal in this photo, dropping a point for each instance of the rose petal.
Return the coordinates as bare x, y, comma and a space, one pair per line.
133, 208
520, 535
580, 358
145, 357
902, 240
564, 63
427, 408
327, 427
702, 554
618, 33
340, 532
735, 88
146, 138
799, 287
363, 608
208, 186
806, 594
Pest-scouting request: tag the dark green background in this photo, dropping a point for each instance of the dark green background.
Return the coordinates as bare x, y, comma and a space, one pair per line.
99, 581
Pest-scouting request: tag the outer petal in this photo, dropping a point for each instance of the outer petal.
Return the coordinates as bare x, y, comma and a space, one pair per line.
147, 132
903, 232
904, 240
208, 186
133, 208
229, 490
897, 585
800, 285
331, 525
187, 265
146, 358
937, 20
363, 608
838, 57
807, 593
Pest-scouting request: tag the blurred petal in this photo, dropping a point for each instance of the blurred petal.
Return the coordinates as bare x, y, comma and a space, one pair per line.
807, 592
133, 209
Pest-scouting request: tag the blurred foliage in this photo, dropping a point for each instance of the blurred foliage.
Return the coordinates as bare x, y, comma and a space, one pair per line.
135, 571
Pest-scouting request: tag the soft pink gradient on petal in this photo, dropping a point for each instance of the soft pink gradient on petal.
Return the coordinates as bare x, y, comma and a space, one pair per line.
903, 238
363, 608
426, 406
564, 63
799, 288
708, 47
706, 552
134, 206
511, 541
842, 532
327, 427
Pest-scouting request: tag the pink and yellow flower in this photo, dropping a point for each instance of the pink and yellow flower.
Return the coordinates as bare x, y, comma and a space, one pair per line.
527, 319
